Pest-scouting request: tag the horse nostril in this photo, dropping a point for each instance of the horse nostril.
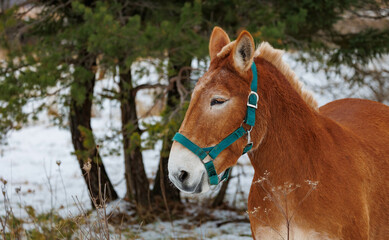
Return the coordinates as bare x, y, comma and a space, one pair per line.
183, 175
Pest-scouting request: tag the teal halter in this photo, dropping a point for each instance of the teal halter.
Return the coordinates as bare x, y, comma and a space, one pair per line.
213, 152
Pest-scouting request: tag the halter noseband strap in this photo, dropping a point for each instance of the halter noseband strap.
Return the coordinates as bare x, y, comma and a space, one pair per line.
213, 152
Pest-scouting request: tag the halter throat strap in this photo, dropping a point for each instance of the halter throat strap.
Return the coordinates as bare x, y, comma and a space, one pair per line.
213, 152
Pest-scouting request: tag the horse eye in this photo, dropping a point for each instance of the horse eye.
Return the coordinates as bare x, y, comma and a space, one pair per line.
217, 101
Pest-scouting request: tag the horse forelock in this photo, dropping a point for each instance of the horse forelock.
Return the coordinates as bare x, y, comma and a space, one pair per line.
226, 50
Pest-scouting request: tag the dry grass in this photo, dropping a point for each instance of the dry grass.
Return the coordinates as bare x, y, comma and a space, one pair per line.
278, 196
110, 221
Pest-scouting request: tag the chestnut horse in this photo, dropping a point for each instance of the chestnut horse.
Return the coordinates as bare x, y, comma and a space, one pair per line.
343, 145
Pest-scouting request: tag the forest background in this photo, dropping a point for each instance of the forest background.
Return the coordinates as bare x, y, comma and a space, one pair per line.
67, 62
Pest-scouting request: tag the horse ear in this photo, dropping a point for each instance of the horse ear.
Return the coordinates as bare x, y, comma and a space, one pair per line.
243, 52
219, 39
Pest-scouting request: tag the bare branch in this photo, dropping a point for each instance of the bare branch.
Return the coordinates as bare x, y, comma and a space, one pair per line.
149, 86
43, 18
378, 15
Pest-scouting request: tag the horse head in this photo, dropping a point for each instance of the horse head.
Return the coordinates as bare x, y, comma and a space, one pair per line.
217, 109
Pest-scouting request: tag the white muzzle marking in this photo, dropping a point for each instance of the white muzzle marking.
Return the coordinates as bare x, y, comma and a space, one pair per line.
186, 170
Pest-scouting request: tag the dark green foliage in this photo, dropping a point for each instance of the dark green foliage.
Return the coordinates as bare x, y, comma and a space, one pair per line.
168, 126
360, 47
304, 25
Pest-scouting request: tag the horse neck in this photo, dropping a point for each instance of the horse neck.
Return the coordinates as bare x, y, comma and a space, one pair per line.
293, 130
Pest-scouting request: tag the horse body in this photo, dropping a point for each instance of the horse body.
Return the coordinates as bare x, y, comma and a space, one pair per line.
344, 146
369, 121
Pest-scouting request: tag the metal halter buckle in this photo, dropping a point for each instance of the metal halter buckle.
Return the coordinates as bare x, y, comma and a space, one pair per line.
248, 100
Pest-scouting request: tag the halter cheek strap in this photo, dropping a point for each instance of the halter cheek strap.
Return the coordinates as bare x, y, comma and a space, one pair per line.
214, 151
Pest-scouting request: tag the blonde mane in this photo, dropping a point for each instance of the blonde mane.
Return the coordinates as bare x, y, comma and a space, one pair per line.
274, 56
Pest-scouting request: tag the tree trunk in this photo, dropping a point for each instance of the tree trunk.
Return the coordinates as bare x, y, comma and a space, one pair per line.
163, 186
136, 180
85, 147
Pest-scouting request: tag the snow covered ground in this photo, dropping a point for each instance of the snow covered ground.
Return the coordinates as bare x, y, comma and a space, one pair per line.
38, 160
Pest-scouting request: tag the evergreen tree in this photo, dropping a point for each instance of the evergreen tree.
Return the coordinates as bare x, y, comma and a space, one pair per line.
50, 53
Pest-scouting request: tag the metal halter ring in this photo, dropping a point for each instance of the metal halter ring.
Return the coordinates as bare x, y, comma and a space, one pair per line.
251, 127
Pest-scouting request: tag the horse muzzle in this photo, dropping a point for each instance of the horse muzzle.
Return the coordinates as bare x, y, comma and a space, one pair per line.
180, 181
186, 171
